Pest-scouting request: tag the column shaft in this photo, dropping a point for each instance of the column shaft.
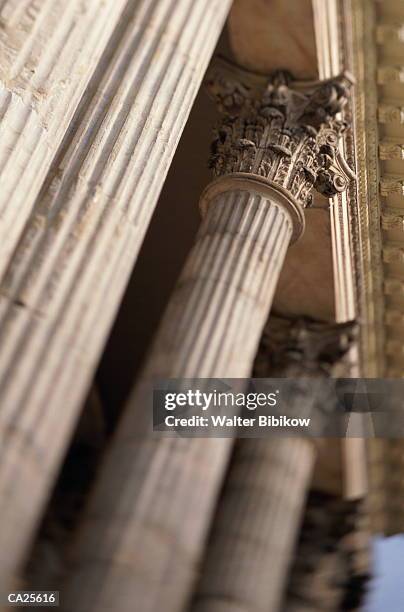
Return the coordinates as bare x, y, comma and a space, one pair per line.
216, 314
63, 288
145, 536
50, 50
255, 527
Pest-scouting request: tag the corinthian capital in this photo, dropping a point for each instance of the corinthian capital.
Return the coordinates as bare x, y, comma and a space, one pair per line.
305, 347
283, 130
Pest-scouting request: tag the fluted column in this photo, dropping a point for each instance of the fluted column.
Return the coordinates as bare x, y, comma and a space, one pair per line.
331, 566
255, 527
144, 531
49, 52
214, 318
147, 521
259, 513
63, 287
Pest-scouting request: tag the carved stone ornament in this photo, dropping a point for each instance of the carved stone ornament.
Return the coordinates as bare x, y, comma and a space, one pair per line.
284, 131
305, 347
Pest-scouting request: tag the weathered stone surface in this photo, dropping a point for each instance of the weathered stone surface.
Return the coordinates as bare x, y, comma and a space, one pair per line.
49, 51
61, 292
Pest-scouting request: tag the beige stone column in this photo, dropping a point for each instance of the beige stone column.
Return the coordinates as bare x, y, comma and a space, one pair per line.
144, 531
255, 526
259, 513
50, 51
63, 287
146, 524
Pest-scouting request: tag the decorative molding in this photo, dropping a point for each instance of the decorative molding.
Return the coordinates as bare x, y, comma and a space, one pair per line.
392, 220
389, 40
390, 113
391, 150
385, 456
379, 51
388, 33
394, 286
395, 347
282, 130
261, 187
393, 254
360, 19
391, 186
390, 74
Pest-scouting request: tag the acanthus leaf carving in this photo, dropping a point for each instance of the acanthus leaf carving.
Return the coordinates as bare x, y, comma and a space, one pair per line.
282, 130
